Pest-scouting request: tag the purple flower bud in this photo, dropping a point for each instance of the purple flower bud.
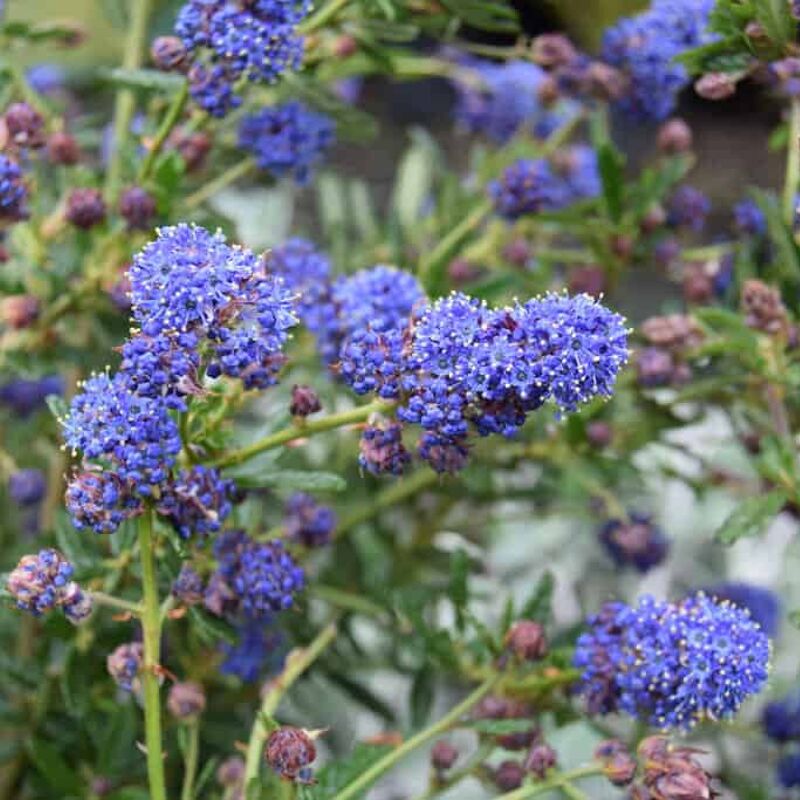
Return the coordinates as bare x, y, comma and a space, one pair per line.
635, 542
517, 252
675, 136
541, 759
715, 86
27, 487
290, 753
20, 311
308, 522
599, 434
619, 766
763, 307
137, 207
77, 605
231, 771
186, 700
168, 53
188, 587
553, 50
193, 148
381, 448
305, 401
85, 208
24, 126
443, 755
124, 664
508, 776
654, 367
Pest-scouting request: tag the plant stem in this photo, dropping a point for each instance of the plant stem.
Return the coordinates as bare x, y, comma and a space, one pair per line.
557, 781
392, 494
151, 634
322, 17
297, 663
125, 100
231, 175
308, 428
103, 599
190, 760
167, 124
366, 778
792, 164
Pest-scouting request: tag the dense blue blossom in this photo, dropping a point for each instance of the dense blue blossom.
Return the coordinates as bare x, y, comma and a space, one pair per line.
789, 770
672, 665
529, 187
635, 541
197, 501
189, 586
24, 396
381, 450
644, 47
763, 604
230, 41
308, 522
27, 487
13, 191
688, 207
749, 219
781, 719
579, 168
289, 139
43, 582
259, 648
505, 100
101, 501
256, 579
108, 423
443, 454
468, 364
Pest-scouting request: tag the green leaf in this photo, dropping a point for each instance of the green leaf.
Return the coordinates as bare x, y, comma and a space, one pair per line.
458, 588
538, 606
751, 516
54, 768
414, 180
335, 775
610, 163
211, 629
794, 617
361, 695
58, 406
294, 480
776, 19
421, 699
499, 727
147, 79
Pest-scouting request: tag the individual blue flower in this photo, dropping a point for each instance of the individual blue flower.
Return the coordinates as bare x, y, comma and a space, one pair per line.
781, 719
13, 191
254, 579
260, 648
135, 435
100, 501
528, 186
634, 541
308, 522
749, 219
42, 582
197, 501
763, 604
287, 140
672, 664
381, 450
257, 41
645, 48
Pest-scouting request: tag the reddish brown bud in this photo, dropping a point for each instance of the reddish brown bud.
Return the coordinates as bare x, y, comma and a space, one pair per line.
231, 771
676, 331
541, 759
24, 126
344, 46
675, 136
85, 208
168, 53
508, 776
527, 640
698, 285
599, 434
619, 765
192, 147
589, 280
305, 401
763, 307
137, 207
186, 700
443, 755
654, 218
63, 149
290, 753
20, 310
517, 252
715, 86
462, 271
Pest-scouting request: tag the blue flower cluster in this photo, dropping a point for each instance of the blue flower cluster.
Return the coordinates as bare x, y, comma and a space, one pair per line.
27, 487
100, 501
504, 99
532, 186
24, 396
197, 501
260, 648
645, 46
43, 582
381, 450
635, 542
227, 42
688, 207
363, 323
672, 664
471, 365
781, 723
252, 579
289, 139
308, 522
749, 219
13, 191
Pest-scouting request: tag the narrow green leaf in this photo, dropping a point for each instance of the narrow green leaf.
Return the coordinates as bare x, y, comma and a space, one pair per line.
295, 480
610, 163
751, 516
337, 774
421, 699
499, 727
54, 768
537, 606
147, 79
